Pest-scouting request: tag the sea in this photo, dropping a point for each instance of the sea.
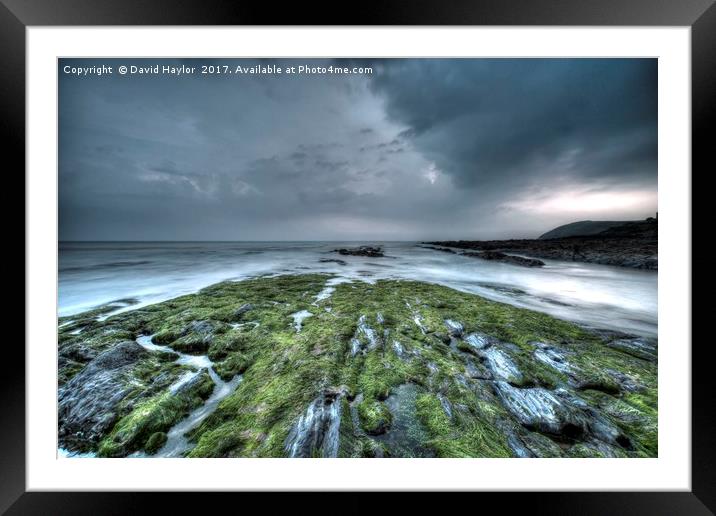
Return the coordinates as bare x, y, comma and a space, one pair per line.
600, 296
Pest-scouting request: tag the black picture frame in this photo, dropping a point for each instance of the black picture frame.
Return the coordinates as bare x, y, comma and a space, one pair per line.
700, 15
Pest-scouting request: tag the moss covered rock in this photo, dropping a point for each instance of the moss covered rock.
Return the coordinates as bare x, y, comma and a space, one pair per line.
155, 442
374, 416
395, 368
155, 415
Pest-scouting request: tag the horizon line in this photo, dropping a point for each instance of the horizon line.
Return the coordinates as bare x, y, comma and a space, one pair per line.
230, 241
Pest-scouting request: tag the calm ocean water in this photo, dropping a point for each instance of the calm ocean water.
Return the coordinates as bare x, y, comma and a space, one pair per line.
94, 273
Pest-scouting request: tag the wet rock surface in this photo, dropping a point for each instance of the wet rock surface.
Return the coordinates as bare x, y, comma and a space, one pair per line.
501, 365
552, 356
305, 366
315, 433
540, 409
87, 403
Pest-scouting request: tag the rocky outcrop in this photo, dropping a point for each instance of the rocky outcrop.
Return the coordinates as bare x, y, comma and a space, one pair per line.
364, 250
197, 336
87, 403
493, 358
496, 256
559, 413
493, 256
424, 371
501, 365
315, 433
442, 249
552, 356
632, 244
541, 410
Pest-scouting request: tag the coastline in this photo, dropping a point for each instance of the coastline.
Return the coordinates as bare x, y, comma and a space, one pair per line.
631, 244
314, 367
93, 275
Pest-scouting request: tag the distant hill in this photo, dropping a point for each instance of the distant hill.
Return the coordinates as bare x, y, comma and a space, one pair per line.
583, 228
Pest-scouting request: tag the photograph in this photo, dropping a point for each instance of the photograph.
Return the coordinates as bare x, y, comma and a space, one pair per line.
415, 257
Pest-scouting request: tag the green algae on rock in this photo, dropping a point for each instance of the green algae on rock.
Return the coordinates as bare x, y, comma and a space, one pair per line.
389, 369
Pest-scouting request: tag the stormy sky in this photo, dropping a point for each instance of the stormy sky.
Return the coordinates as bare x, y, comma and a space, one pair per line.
418, 149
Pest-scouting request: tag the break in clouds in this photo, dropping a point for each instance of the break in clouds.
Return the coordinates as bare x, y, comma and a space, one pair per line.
419, 149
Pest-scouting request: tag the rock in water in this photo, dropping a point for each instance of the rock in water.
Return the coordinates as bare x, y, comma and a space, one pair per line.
443, 249
316, 432
87, 403
364, 250
333, 260
497, 256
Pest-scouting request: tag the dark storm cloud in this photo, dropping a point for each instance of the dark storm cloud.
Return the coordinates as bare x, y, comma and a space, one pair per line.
485, 119
420, 149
